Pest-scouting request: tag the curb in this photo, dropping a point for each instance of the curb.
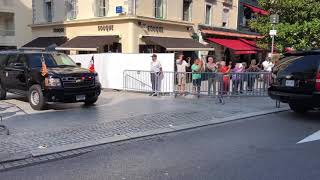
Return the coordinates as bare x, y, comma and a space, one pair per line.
56, 153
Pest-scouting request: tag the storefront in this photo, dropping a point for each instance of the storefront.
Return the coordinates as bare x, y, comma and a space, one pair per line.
233, 46
117, 35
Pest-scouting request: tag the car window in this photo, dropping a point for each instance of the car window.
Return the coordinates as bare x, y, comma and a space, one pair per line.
3, 59
63, 60
11, 60
22, 59
35, 60
305, 66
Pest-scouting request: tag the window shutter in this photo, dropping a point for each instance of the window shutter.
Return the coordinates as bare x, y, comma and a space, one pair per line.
67, 8
76, 9
45, 15
164, 9
107, 7
52, 10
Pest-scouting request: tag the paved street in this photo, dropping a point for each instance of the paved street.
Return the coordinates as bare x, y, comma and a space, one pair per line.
117, 116
256, 148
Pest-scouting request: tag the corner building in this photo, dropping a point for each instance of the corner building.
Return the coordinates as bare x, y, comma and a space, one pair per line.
131, 26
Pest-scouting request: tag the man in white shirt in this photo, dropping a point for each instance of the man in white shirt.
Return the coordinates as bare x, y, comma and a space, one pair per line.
156, 72
181, 73
267, 65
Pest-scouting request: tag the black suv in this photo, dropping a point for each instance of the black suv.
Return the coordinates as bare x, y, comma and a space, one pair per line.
21, 73
297, 81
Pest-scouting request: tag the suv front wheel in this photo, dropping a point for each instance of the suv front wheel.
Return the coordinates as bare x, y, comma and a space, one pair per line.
301, 109
3, 92
36, 99
91, 101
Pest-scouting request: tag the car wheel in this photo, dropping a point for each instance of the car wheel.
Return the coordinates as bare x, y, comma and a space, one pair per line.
36, 99
91, 101
3, 92
300, 109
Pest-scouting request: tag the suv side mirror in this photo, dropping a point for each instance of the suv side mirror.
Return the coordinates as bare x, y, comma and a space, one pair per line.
78, 64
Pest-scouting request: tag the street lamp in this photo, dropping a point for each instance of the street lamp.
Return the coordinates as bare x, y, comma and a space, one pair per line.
274, 19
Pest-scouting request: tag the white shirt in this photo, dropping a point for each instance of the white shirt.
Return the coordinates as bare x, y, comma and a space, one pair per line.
155, 66
267, 65
181, 65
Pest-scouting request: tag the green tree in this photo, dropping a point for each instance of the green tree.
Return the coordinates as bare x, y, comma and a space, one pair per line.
299, 25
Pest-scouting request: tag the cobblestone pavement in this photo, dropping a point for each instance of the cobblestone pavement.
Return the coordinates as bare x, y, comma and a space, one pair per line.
116, 114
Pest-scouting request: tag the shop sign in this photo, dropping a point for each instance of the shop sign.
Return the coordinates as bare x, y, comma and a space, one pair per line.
155, 29
58, 30
151, 28
105, 28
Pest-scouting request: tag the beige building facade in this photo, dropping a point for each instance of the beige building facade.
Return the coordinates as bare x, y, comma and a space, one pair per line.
15, 18
135, 25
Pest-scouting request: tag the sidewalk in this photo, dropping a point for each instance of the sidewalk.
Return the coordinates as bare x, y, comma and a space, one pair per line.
117, 117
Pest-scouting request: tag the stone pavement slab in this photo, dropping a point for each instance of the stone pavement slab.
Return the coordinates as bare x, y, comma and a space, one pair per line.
117, 116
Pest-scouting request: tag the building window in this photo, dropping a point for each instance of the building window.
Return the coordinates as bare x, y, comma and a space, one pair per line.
72, 9
48, 6
225, 17
208, 14
101, 8
159, 8
187, 10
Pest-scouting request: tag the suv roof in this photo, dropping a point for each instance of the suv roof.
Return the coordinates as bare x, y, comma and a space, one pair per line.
29, 52
304, 53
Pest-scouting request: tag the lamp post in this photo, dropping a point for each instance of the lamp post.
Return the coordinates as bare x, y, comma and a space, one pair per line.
274, 19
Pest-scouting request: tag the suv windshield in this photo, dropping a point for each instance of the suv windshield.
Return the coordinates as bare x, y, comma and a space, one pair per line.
52, 60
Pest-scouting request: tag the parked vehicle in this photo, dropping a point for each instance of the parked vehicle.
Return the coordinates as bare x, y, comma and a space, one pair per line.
297, 81
22, 73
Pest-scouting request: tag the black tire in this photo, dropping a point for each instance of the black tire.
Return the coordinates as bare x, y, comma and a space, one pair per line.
36, 99
91, 101
300, 109
3, 92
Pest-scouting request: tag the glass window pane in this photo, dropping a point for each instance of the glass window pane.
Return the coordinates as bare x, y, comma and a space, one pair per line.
208, 14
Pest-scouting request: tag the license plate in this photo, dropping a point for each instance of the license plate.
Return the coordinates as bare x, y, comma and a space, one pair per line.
290, 83
81, 97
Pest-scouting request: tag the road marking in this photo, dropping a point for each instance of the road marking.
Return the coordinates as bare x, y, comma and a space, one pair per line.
313, 137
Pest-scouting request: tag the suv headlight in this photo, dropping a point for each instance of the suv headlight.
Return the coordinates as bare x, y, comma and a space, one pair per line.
52, 82
96, 79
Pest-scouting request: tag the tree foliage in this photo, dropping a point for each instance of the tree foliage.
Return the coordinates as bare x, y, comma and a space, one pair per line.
299, 25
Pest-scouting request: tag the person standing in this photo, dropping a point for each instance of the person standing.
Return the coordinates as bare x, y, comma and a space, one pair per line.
252, 76
196, 76
212, 69
267, 65
156, 72
225, 70
237, 78
181, 73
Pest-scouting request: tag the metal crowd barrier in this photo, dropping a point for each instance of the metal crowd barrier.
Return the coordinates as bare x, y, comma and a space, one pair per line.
148, 82
199, 84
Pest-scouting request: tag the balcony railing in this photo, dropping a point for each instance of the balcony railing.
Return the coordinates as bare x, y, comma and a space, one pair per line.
7, 32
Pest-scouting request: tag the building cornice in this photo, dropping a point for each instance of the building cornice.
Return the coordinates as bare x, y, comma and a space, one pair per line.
111, 19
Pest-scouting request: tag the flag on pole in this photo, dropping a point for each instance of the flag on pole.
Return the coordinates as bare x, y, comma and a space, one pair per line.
44, 70
91, 68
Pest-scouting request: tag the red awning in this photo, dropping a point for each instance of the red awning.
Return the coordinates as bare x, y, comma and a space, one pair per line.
252, 43
231, 34
256, 9
238, 46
